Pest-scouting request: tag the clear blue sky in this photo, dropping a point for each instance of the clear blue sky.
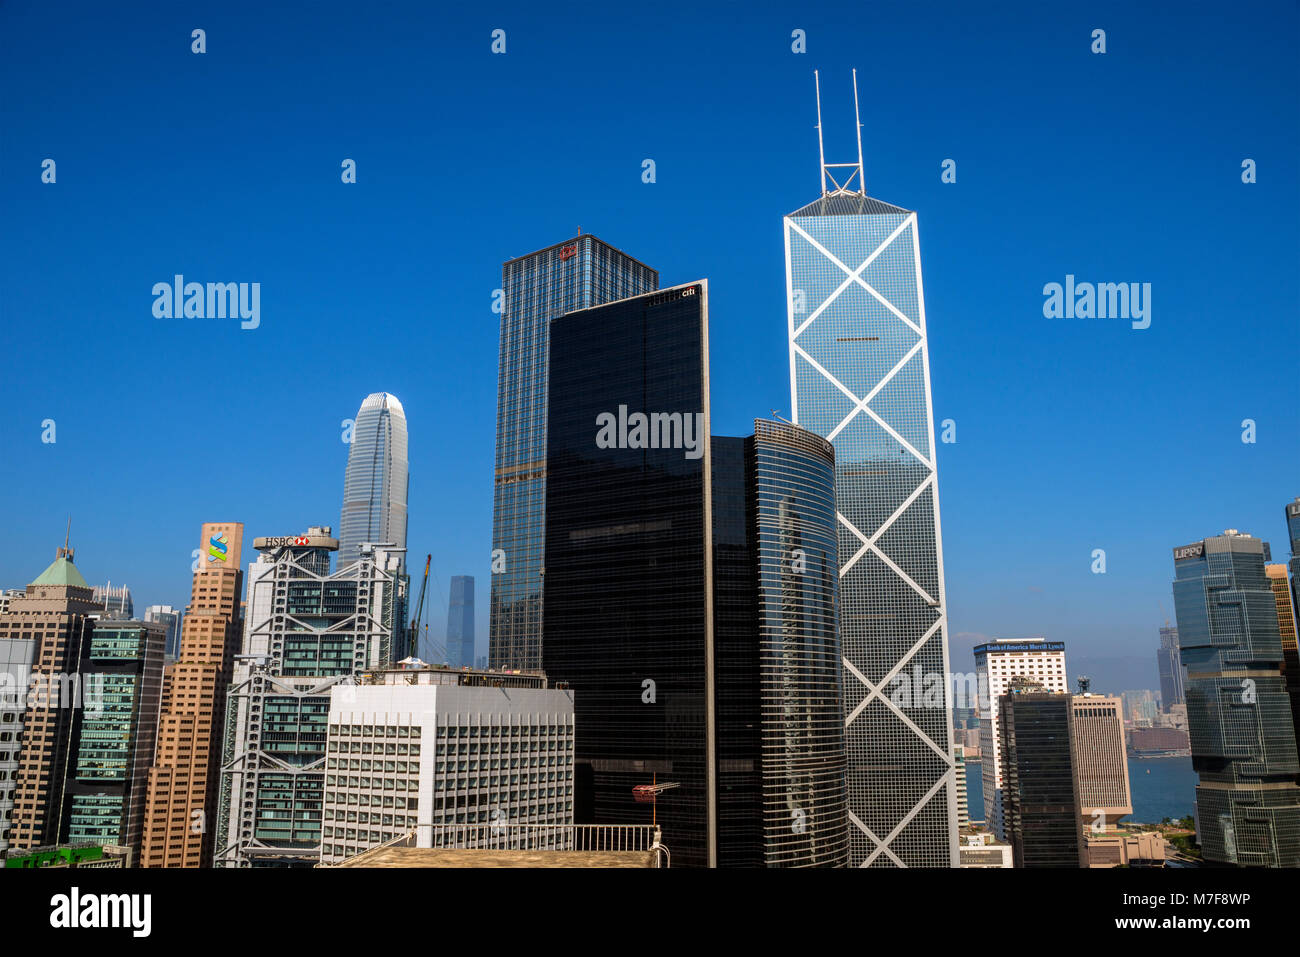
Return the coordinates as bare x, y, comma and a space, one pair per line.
1072, 434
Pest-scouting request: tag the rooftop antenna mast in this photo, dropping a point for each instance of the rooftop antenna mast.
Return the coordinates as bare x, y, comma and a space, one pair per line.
821, 148
66, 550
853, 168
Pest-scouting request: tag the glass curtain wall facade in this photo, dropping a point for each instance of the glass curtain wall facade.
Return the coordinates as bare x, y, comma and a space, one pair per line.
804, 801
576, 274
1291, 643
859, 370
1238, 710
736, 676
377, 479
115, 731
1040, 783
629, 562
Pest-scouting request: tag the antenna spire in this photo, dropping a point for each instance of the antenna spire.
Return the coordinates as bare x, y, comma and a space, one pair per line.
821, 149
66, 550
855, 169
857, 118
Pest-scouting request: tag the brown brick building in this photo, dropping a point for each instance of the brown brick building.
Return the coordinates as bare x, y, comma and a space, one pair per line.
54, 613
180, 816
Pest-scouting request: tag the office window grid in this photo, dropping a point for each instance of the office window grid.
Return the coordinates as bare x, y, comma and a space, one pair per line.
1238, 709
860, 377
804, 797
486, 768
536, 288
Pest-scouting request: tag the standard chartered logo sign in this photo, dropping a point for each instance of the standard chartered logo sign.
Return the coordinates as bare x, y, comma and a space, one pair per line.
218, 547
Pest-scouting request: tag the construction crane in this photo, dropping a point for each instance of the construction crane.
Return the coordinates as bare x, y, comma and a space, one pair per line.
419, 610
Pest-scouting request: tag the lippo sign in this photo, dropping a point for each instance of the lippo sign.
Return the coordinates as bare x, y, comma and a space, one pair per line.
1189, 551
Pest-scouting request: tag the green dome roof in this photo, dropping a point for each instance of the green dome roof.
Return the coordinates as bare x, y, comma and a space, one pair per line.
61, 572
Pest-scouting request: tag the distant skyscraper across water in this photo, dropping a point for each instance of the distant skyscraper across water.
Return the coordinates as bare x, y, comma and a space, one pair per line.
998, 665
460, 622
1238, 711
377, 479
1170, 665
860, 377
576, 274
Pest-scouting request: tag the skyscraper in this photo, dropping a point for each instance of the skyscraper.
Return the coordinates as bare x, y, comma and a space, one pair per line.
1170, 665
377, 479
460, 622
181, 812
690, 596
963, 803
575, 274
1041, 791
1286, 626
58, 607
16, 654
306, 629
789, 476
1293, 536
1238, 712
999, 664
170, 619
860, 376
1100, 761
629, 577
113, 735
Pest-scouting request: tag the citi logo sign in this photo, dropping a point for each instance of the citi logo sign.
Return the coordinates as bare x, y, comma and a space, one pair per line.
77, 910
656, 430
215, 300
218, 546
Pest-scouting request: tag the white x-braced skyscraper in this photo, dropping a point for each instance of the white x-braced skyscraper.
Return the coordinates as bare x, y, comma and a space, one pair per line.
860, 376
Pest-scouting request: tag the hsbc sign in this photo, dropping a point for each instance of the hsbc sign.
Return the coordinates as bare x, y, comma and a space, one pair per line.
296, 541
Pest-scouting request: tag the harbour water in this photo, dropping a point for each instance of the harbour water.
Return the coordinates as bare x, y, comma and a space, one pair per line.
1161, 787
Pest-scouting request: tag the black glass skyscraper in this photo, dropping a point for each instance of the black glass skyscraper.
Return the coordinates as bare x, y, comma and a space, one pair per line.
1040, 786
629, 563
574, 274
1238, 711
659, 612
